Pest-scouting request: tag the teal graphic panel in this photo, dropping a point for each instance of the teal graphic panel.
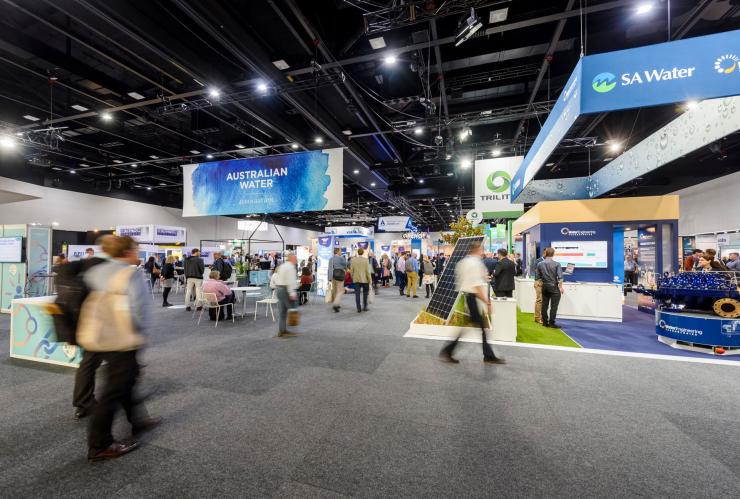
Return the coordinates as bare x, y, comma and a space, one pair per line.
33, 338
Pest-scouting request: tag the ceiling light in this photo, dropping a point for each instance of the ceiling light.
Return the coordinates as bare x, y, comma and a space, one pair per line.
372, 184
421, 180
135, 95
450, 174
615, 146
390, 60
432, 200
162, 184
464, 134
134, 165
72, 172
214, 93
153, 156
356, 171
118, 161
644, 8
377, 43
55, 224
262, 86
692, 104
448, 156
280, 64
347, 132
418, 130
294, 146
318, 140
7, 142
31, 118
209, 156
447, 204
79, 108
149, 188
465, 163
496, 152
470, 26
106, 116
84, 164
194, 151
240, 146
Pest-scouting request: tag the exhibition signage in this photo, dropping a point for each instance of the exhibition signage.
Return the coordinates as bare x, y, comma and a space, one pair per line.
349, 231
493, 188
325, 250
165, 234
139, 233
303, 181
251, 225
395, 224
697, 69
646, 249
702, 330
77, 251
415, 235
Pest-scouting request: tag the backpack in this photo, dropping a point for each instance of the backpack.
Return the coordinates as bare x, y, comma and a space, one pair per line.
226, 270
71, 293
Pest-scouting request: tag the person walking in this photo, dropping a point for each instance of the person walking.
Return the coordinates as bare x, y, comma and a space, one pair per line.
194, 270
336, 272
429, 276
285, 287
551, 274
362, 275
503, 275
113, 323
401, 272
412, 275
386, 269
168, 278
375, 267
470, 279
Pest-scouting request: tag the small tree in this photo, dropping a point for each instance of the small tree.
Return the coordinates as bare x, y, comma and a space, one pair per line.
461, 228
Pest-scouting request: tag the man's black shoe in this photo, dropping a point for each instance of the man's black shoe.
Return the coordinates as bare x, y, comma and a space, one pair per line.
496, 360
188, 309
553, 325
448, 358
79, 413
336, 308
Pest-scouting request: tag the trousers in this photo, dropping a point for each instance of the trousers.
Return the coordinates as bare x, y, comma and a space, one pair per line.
413, 279
538, 301
284, 304
471, 303
193, 288
401, 278
337, 290
122, 373
504, 294
550, 300
364, 288
83, 396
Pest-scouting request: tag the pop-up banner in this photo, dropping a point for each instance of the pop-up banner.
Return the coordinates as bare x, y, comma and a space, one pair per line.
303, 181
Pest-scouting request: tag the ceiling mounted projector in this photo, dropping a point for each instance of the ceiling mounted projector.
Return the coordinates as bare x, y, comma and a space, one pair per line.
469, 27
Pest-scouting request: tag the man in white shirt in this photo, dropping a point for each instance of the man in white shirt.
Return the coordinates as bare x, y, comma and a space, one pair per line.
471, 278
285, 289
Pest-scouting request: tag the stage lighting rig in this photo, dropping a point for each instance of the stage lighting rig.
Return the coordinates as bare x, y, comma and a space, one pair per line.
468, 28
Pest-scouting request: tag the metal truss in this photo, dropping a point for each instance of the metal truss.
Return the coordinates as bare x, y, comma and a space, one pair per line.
493, 76
317, 81
407, 13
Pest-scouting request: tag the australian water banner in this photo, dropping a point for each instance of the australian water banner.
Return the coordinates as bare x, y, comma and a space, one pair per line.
303, 181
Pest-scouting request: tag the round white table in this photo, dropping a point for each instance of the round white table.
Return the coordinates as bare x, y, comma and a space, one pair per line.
245, 290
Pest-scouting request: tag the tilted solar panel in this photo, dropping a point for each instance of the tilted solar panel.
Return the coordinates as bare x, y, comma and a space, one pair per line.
445, 295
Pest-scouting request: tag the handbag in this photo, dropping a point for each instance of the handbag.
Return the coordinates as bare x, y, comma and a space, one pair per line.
105, 323
293, 317
371, 296
337, 274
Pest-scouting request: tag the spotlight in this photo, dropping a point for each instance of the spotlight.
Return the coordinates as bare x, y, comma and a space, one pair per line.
134, 165
418, 130
644, 8
466, 132
262, 86
615, 147
106, 116
294, 146
372, 184
465, 163
209, 156
318, 140
7, 142
421, 180
692, 104
469, 28
214, 93
72, 172
390, 60
149, 188
496, 152
356, 171
448, 156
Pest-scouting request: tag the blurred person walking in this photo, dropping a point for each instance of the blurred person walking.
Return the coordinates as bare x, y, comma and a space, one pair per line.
336, 272
194, 270
285, 288
362, 275
168, 278
470, 279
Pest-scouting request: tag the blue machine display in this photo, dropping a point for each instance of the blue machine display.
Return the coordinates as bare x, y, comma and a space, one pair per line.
698, 291
697, 329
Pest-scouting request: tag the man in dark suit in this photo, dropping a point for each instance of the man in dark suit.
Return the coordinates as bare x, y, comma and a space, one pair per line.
504, 275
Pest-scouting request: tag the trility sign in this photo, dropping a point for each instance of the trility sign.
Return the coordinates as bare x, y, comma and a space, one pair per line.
493, 188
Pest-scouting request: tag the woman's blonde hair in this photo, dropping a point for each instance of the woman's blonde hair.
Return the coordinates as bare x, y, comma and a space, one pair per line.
215, 274
170, 259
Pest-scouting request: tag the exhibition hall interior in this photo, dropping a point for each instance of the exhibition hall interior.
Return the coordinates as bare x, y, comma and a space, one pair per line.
369, 248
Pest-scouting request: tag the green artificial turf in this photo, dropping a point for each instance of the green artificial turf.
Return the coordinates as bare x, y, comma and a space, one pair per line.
528, 331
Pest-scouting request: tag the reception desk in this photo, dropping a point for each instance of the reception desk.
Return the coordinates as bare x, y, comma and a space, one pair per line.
589, 301
32, 334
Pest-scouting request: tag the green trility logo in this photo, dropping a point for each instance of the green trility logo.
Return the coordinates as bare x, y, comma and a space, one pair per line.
498, 181
604, 82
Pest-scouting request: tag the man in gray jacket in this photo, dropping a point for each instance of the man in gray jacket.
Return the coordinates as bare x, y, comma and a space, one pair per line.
194, 270
336, 271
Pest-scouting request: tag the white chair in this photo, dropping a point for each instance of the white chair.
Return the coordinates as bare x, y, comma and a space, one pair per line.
210, 302
268, 302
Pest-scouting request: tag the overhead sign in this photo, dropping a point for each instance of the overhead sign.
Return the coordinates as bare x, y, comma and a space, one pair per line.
395, 224
165, 234
139, 233
303, 181
251, 225
415, 235
700, 68
349, 231
493, 187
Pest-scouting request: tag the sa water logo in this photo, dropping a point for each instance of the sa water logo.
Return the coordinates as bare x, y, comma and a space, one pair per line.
499, 181
726, 64
604, 82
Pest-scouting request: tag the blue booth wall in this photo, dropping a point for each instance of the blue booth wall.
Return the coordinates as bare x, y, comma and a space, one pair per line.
602, 232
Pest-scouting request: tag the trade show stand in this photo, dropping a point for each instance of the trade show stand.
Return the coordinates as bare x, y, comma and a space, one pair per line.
32, 335
588, 301
698, 332
502, 329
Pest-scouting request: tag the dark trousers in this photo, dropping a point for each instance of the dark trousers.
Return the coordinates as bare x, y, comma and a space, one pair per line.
165, 294
365, 289
504, 294
429, 289
475, 315
630, 276
84, 391
401, 278
550, 301
122, 372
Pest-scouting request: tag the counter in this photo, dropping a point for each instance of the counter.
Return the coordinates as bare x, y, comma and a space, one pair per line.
32, 334
589, 301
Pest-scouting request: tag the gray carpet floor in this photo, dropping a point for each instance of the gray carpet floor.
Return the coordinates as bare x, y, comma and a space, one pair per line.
351, 408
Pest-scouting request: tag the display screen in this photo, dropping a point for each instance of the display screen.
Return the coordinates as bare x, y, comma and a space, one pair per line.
583, 254
11, 249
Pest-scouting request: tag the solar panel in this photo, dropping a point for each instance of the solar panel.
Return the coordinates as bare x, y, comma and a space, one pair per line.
445, 294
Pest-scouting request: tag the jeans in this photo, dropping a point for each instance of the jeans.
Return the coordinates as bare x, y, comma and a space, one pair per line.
284, 304
401, 278
471, 303
413, 279
365, 289
193, 288
84, 391
550, 300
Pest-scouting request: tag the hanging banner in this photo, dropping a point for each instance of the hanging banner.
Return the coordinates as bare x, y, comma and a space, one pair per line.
395, 224
303, 181
493, 188
165, 234
251, 225
139, 233
349, 231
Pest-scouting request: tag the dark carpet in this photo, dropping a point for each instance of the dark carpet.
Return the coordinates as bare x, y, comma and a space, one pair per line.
635, 334
351, 408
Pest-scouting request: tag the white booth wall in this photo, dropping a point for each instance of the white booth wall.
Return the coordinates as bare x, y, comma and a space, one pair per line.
30, 203
710, 207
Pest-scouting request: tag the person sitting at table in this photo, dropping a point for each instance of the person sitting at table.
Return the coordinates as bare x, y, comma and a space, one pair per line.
224, 294
305, 285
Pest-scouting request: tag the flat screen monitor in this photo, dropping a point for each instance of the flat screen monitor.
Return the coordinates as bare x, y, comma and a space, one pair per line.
582, 254
11, 249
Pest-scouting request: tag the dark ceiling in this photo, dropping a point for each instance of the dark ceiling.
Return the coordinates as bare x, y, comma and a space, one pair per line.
150, 67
